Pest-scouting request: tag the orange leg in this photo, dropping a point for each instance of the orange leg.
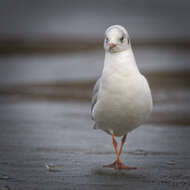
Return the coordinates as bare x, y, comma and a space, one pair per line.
118, 163
122, 143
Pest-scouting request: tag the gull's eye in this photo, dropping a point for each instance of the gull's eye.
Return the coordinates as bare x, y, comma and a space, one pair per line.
107, 40
121, 39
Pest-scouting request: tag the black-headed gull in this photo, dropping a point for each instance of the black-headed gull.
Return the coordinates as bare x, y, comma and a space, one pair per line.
121, 99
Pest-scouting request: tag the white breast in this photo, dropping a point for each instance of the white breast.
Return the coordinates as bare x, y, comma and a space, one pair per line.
124, 99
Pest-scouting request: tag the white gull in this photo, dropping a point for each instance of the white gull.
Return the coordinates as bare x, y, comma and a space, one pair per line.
121, 99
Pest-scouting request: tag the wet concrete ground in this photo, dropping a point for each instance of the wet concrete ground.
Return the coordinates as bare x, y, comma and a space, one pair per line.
36, 134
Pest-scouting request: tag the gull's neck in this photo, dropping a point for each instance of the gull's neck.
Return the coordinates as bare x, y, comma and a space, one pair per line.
121, 62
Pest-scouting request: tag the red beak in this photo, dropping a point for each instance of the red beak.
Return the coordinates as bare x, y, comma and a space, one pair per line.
112, 45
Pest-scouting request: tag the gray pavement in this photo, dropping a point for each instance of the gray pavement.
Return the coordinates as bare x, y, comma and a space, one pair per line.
36, 134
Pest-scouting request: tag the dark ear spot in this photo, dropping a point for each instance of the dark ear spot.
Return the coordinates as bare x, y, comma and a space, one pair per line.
122, 38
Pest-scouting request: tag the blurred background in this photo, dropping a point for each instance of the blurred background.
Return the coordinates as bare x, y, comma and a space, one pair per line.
51, 53
53, 50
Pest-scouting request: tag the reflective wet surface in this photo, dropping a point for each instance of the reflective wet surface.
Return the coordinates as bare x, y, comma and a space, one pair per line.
39, 135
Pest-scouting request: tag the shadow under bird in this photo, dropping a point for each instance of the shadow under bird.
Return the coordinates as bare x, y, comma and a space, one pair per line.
121, 99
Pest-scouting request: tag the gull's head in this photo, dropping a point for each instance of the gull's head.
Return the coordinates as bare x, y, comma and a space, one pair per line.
116, 39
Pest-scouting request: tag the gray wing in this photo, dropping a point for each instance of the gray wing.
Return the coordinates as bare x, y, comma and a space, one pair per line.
95, 96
